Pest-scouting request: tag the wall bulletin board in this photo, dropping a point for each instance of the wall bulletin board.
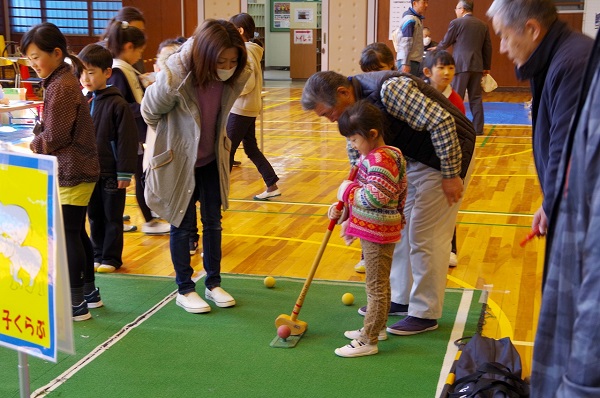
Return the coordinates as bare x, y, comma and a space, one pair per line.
280, 16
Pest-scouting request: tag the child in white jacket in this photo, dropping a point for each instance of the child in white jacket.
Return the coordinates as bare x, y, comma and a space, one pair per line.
242, 119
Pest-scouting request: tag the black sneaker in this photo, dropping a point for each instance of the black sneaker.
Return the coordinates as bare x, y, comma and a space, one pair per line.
93, 299
412, 325
81, 312
395, 309
237, 163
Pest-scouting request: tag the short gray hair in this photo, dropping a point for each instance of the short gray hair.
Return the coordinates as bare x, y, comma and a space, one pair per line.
467, 5
515, 13
321, 88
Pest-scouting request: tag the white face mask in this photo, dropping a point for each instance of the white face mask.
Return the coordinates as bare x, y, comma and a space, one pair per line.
225, 74
426, 41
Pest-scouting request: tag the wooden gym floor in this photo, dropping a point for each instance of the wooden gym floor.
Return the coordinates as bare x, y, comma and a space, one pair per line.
281, 237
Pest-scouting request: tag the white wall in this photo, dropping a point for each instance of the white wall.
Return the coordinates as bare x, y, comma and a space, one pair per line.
590, 13
277, 46
347, 34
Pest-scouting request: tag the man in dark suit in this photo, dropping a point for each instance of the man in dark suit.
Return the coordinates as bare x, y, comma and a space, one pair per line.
472, 53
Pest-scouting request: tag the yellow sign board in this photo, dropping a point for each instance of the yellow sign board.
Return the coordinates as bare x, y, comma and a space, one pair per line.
28, 248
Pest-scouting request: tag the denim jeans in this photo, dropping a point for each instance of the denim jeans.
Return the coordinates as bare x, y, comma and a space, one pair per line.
207, 192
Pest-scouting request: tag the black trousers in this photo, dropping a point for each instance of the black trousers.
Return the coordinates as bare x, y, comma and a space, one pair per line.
105, 212
80, 256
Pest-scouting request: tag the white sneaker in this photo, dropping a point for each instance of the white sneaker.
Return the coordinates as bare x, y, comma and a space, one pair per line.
96, 266
355, 334
105, 268
192, 302
360, 267
220, 297
453, 260
129, 228
268, 195
154, 227
356, 349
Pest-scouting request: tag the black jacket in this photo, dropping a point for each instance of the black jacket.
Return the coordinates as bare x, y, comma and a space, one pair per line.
416, 144
116, 132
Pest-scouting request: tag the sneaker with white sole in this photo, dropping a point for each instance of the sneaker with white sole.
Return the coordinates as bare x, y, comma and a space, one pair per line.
81, 312
220, 297
453, 262
412, 325
356, 349
154, 227
96, 265
93, 299
106, 268
268, 195
395, 309
360, 267
355, 334
192, 302
129, 228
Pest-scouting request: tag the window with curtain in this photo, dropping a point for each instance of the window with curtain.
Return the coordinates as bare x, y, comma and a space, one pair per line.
86, 18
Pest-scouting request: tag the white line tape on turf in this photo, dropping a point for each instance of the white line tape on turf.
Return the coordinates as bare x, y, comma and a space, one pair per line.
457, 332
99, 350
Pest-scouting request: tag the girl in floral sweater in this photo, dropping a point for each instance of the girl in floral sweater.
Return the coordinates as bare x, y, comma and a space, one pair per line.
375, 202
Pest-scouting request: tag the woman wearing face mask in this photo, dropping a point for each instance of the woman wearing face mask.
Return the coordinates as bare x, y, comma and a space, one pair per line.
189, 103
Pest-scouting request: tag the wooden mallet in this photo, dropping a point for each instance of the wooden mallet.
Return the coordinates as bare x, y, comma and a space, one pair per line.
297, 326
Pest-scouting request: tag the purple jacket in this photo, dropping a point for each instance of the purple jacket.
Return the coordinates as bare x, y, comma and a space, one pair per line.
554, 71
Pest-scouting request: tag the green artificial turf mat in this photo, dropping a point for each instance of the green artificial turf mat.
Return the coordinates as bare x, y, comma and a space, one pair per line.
227, 352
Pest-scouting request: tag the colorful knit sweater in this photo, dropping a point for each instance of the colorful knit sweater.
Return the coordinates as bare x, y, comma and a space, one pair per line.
376, 199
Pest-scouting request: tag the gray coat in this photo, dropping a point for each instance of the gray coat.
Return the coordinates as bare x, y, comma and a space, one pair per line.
170, 106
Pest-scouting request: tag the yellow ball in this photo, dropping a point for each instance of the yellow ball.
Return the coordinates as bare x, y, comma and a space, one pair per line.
269, 281
348, 299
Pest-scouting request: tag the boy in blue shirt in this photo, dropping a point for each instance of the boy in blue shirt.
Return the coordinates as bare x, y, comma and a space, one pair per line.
117, 142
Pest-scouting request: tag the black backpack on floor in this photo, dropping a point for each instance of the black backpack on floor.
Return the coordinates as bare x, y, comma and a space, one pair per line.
489, 368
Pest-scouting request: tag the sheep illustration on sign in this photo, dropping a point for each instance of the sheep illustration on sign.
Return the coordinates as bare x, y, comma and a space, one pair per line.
14, 227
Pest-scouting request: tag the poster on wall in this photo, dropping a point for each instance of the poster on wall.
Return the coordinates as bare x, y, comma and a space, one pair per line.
397, 8
280, 12
591, 18
304, 15
303, 36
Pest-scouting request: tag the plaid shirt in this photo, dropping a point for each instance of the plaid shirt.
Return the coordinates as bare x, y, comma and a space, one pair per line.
403, 100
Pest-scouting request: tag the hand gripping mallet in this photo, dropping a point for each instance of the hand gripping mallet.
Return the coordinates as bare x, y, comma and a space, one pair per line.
534, 232
297, 326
